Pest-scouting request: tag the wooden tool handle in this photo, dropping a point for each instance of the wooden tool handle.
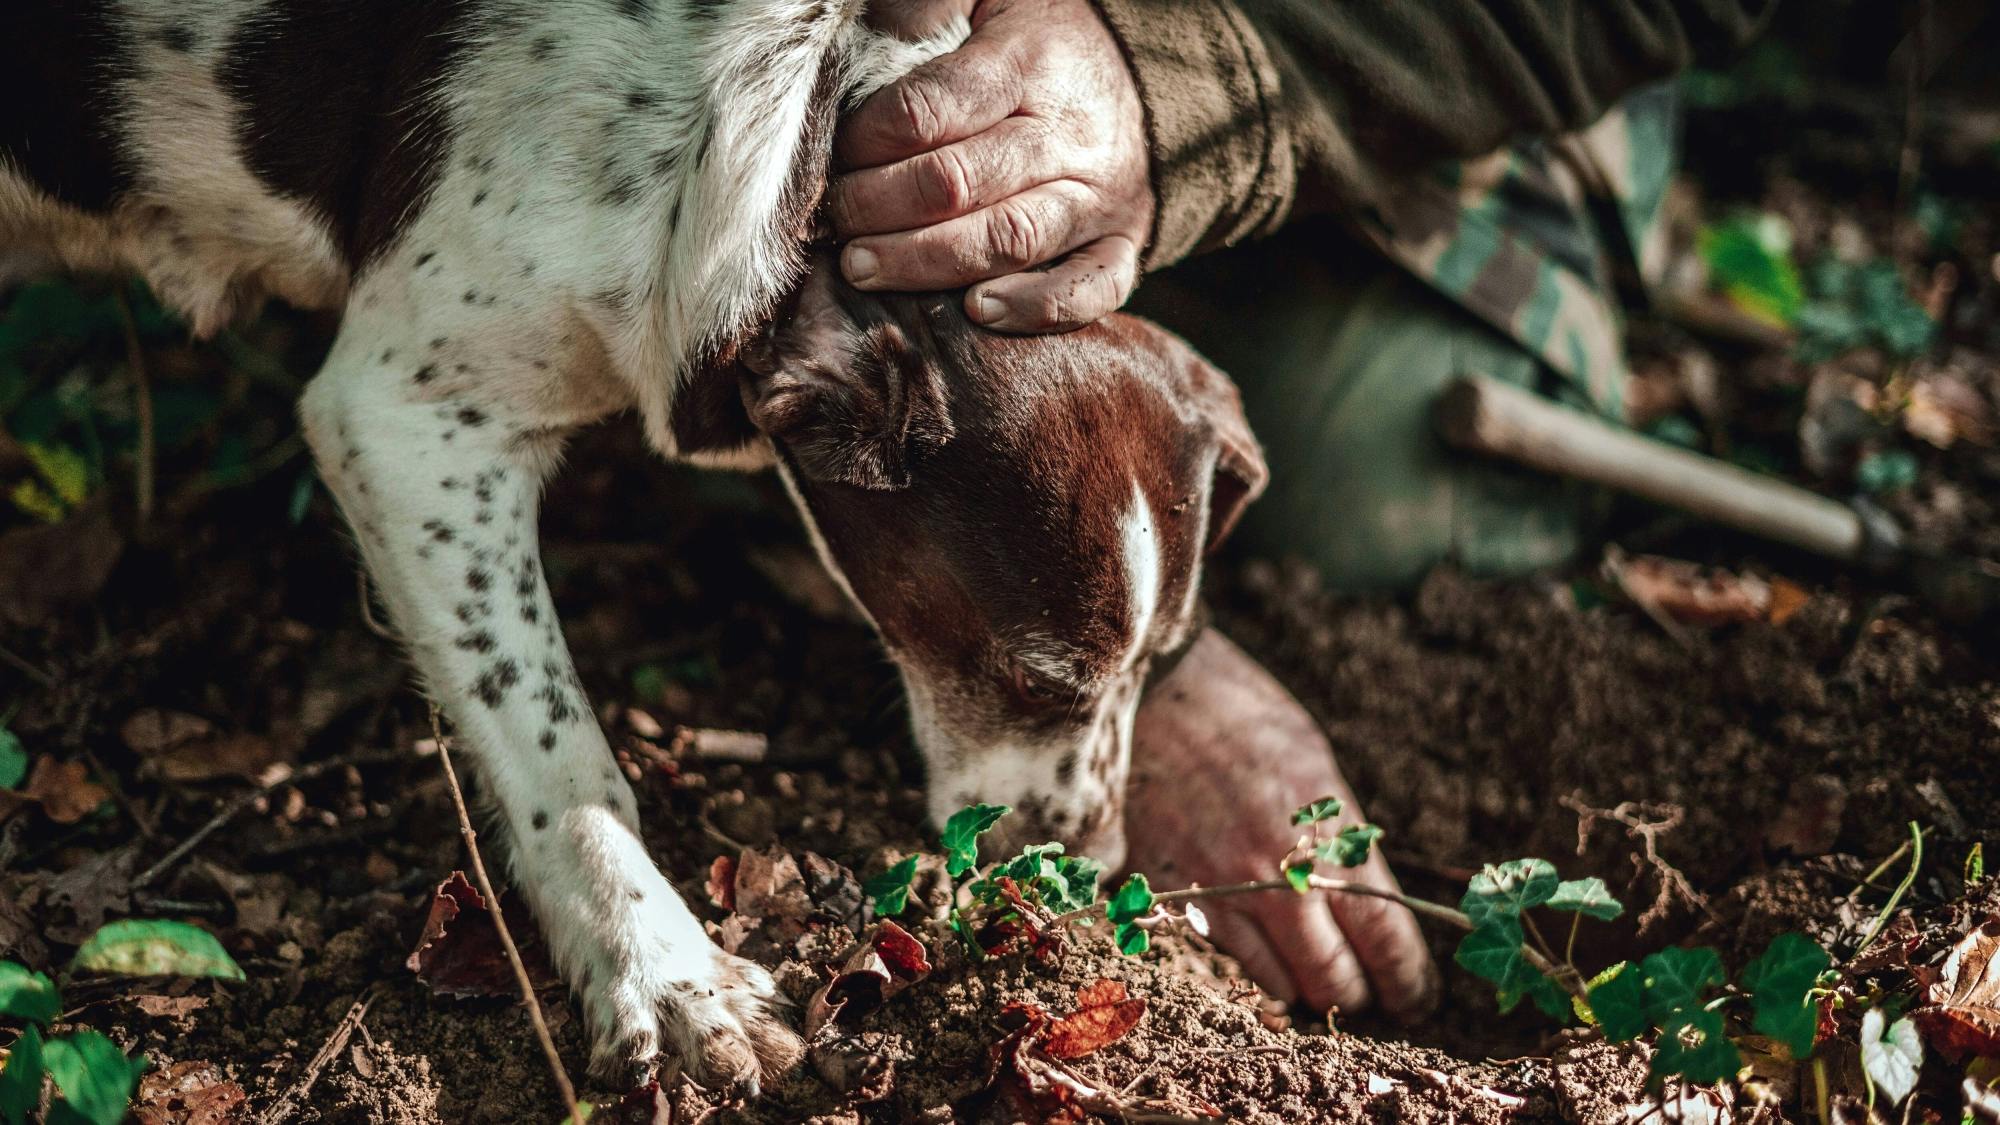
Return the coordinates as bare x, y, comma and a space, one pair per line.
1487, 416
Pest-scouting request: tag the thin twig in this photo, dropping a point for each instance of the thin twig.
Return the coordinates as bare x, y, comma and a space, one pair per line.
236, 807
283, 1109
500, 925
142, 388
22, 665
1568, 980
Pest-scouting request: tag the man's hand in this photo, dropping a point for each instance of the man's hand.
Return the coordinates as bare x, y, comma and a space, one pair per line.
1024, 147
1222, 756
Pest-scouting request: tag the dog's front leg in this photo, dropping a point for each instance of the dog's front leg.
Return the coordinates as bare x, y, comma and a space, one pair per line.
440, 483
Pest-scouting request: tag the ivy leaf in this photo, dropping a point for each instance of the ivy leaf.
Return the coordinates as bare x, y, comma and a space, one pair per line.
140, 948
1133, 901
891, 889
1032, 864
26, 995
13, 759
1074, 879
1299, 875
1492, 951
961, 835
1693, 1046
93, 1076
1891, 1055
1132, 939
1618, 1000
1350, 848
21, 1082
1780, 985
1586, 896
1326, 808
1675, 979
1508, 889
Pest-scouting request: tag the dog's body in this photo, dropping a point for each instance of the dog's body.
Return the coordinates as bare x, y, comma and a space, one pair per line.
534, 213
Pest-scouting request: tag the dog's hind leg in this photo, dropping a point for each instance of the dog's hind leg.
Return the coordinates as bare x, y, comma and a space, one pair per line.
435, 434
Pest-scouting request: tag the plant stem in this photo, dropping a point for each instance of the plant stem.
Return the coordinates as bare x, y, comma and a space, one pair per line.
1569, 949
1535, 931
1902, 888
1422, 907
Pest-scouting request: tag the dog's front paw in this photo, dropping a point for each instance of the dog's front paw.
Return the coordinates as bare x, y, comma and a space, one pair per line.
716, 1017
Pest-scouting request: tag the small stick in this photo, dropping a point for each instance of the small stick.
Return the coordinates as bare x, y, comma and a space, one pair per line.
234, 808
500, 926
282, 1109
27, 668
142, 387
1568, 980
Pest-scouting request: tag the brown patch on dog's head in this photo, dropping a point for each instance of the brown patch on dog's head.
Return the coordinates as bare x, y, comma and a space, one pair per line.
1022, 518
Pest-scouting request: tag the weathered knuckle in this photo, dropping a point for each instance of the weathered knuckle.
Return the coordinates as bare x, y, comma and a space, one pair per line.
918, 113
946, 183
1015, 237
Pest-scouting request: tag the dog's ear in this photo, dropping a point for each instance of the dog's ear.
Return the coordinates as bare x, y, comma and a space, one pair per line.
1240, 472
843, 391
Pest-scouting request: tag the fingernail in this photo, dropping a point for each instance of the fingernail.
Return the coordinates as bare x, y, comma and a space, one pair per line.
986, 309
859, 263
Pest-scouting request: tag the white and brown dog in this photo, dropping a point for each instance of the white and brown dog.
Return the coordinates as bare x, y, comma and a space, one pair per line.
534, 213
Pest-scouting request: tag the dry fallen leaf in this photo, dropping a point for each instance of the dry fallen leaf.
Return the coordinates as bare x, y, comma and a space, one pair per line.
1962, 1018
169, 1007
887, 963
1700, 595
156, 730
722, 882
245, 755
459, 953
1103, 1015
769, 885
188, 1093
64, 790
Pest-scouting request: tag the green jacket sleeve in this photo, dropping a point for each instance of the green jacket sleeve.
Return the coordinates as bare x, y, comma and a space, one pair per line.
1259, 111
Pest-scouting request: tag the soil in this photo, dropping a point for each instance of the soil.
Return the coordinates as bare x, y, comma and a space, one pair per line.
1476, 716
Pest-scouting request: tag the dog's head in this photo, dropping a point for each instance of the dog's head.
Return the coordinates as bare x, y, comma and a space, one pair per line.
1023, 519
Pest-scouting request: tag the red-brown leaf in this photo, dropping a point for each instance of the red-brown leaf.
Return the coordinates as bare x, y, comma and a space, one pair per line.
722, 882
1103, 1016
192, 1092
888, 963
1963, 1016
459, 953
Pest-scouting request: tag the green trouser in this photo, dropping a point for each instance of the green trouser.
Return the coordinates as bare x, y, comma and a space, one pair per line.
1339, 356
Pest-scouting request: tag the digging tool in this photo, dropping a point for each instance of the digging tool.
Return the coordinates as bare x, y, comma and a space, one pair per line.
1483, 415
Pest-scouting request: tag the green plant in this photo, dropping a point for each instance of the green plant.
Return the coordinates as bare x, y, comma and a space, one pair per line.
1682, 997
93, 1078
1854, 305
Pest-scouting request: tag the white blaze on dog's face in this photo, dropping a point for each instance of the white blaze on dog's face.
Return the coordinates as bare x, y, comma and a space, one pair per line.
1023, 519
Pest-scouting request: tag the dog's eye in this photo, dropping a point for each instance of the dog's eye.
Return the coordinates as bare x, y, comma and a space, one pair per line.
1031, 688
